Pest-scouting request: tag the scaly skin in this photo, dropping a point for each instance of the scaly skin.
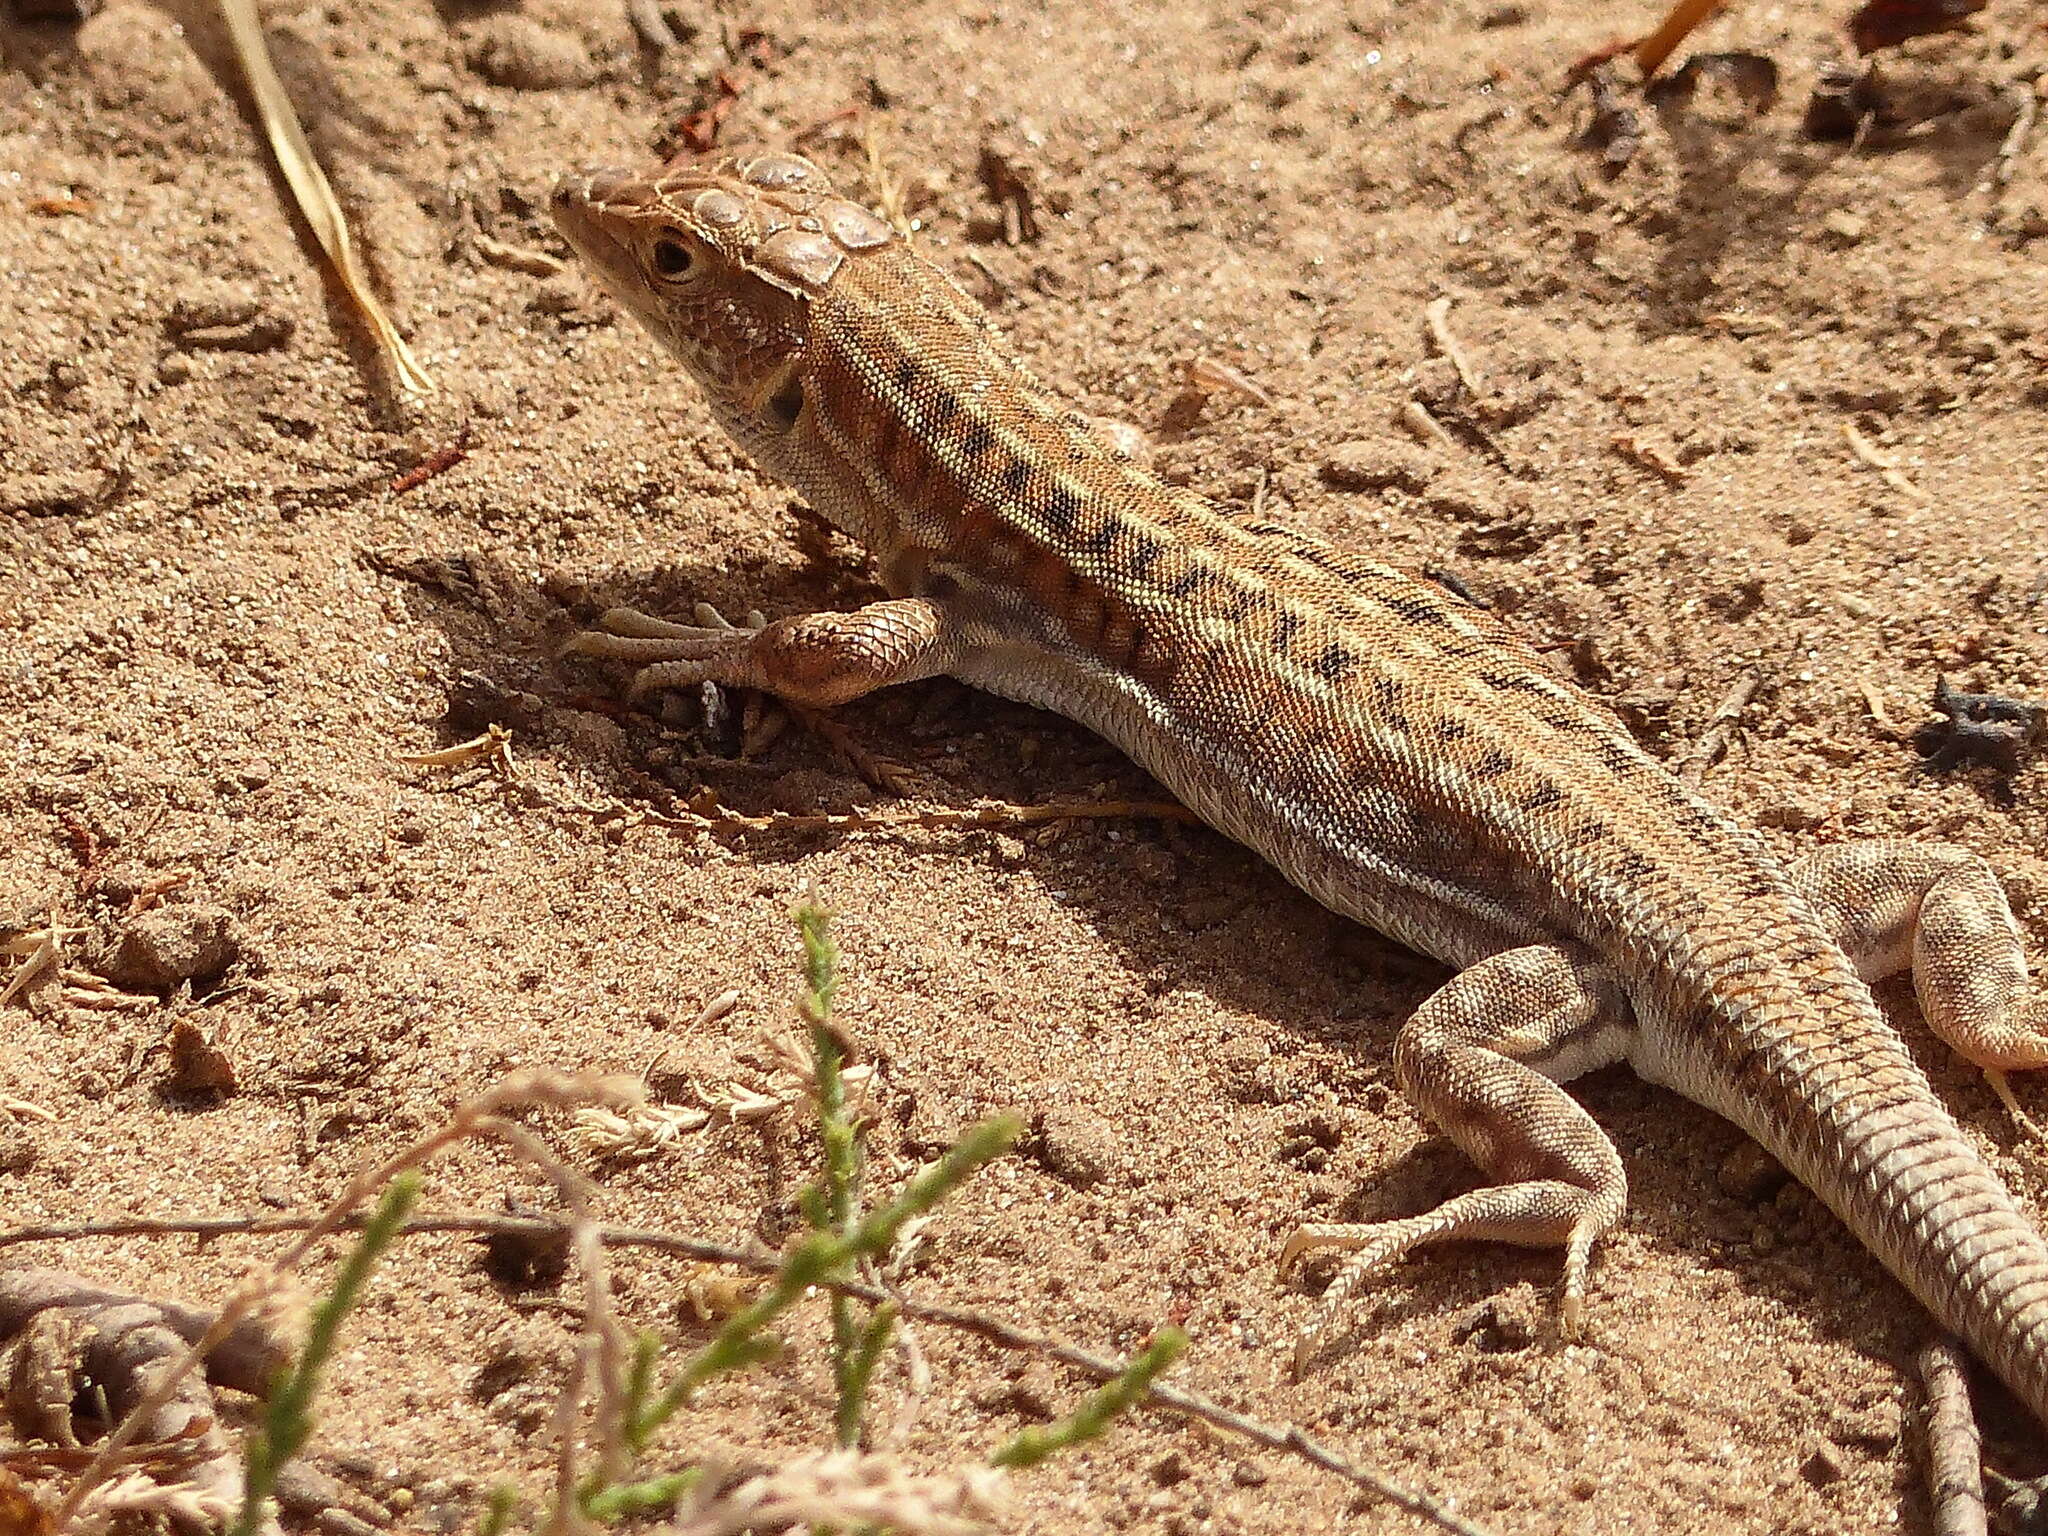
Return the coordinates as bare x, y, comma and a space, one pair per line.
1397, 752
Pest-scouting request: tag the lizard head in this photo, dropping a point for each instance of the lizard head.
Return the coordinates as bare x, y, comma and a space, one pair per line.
721, 263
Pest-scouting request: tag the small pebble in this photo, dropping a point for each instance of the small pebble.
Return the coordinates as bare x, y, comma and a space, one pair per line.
1360, 465
161, 950
60, 495
519, 52
1076, 1146
1748, 1172
1845, 227
1170, 1469
1822, 1467
1495, 1330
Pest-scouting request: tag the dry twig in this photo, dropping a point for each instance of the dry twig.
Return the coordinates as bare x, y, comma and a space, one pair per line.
1438, 314
1636, 451
1425, 428
439, 462
1890, 473
1211, 375
1677, 25
1713, 744
34, 950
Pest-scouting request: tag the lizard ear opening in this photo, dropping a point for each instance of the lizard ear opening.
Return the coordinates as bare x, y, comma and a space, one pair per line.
787, 403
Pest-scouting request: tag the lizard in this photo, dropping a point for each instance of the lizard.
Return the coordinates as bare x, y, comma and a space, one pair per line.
1402, 755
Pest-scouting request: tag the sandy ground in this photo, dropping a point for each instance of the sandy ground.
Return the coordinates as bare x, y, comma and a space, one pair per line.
207, 682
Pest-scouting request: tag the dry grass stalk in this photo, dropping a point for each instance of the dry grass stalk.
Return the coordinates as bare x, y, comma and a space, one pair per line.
309, 186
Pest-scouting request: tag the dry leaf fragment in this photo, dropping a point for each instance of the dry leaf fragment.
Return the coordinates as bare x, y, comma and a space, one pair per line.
198, 1065
1887, 23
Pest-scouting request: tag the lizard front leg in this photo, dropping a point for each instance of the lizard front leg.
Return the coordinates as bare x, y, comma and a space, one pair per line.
1940, 911
815, 659
1483, 1057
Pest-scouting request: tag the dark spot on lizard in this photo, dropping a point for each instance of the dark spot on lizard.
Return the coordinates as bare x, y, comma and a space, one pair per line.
1324, 558
1515, 682
1542, 798
1618, 758
786, 404
1493, 765
1452, 730
1416, 610
1285, 628
1239, 601
1102, 538
1061, 508
1334, 664
1143, 555
1586, 832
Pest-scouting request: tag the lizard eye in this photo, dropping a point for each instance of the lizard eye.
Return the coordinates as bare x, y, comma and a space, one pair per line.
671, 258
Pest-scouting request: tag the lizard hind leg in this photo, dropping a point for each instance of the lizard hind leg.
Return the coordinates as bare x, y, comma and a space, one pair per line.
1483, 1057
1940, 911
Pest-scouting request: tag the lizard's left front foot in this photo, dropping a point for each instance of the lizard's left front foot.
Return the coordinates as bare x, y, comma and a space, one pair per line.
670, 655
1483, 1058
816, 659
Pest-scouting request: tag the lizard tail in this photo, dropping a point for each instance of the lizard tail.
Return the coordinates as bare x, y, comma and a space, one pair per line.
1872, 1140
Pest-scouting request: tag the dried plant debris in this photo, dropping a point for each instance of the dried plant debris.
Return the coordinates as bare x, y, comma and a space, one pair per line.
310, 189
1749, 78
1678, 23
1981, 728
1014, 180
1615, 128
1843, 102
81, 1356
1887, 23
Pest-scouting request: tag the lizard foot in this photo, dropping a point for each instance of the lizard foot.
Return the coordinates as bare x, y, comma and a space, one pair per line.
815, 660
1539, 1213
671, 655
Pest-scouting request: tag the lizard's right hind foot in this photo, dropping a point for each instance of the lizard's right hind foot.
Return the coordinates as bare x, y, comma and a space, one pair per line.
1483, 1057
1543, 1214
